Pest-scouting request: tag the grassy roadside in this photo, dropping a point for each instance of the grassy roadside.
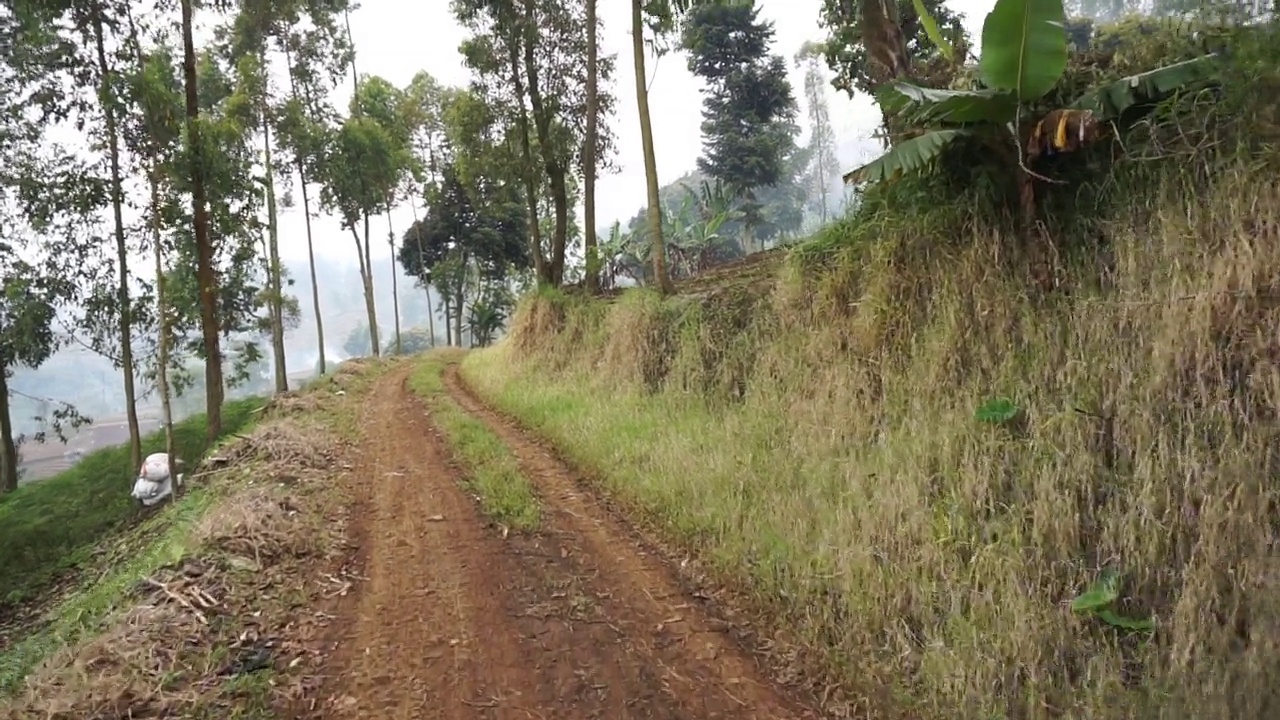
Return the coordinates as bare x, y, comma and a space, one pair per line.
246, 539
650, 451
492, 471
974, 500
54, 526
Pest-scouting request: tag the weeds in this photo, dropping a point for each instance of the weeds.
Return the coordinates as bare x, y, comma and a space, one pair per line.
50, 527
849, 488
163, 631
491, 471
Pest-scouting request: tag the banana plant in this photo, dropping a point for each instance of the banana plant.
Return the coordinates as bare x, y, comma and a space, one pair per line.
1024, 55
622, 255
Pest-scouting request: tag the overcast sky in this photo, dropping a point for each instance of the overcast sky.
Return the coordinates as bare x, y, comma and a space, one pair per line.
396, 39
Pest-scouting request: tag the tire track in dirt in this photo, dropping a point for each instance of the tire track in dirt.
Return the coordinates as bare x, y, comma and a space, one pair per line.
452, 619
701, 669
426, 632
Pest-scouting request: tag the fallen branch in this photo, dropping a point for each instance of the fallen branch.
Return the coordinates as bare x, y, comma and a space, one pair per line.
178, 598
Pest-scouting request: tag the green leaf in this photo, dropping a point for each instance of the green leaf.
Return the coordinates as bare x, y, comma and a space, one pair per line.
1127, 623
928, 105
1111, 100
997, 411
1100, 594
935, 34
1024, 47
906, 157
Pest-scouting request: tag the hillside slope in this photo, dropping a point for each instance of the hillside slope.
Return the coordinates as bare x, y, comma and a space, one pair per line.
914, 461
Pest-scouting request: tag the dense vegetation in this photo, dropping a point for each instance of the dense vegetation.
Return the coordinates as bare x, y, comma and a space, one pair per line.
996, 441
999, 442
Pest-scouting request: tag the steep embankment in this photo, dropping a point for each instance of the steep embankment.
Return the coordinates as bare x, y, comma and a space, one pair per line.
201, 607
915, 463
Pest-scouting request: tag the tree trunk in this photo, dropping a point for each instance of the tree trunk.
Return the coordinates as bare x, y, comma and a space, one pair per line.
546, 145
366, 258
529, 171
370, 303
355, 77
448, 320
366, 280
162, 317
306, 213
426, 286
162, 314
8, 451
395, 292
589, 154
560, 197
431, 321
122, 248
459, 303
277, 285
206, 275
660, 275
311, 260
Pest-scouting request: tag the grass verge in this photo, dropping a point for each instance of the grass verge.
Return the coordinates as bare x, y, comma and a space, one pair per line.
54, 526
178, 627
492, 472
980, 500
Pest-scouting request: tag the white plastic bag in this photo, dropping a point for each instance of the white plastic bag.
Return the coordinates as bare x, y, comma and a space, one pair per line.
153, 483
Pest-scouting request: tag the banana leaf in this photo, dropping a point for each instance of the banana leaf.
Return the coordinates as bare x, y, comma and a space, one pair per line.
906, 157
935, 34
1024, 47
929, 105
1111, 100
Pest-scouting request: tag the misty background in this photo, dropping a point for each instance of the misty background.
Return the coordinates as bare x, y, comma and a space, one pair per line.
395, 41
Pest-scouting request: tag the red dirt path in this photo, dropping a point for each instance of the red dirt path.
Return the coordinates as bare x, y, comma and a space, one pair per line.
575, 620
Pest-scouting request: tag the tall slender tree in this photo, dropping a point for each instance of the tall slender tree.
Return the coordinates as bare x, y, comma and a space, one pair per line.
153, 134
106, 92
592, 250
206, 275
823, 168
658, 246
660, 16
315, 59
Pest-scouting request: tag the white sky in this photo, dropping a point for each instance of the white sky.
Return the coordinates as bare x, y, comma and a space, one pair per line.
396, 39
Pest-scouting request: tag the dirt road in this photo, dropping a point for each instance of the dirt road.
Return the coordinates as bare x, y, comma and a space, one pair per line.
452, 620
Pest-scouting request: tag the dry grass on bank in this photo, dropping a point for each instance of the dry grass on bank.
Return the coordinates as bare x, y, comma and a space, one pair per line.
821, 444
194, 624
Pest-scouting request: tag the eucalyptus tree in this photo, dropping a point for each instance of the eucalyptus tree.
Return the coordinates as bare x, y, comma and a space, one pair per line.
383, 103
591, 246
660, 18
206, 275
316, 59
424, 103
152, 132
107, 83
531, 55
822, 170
366, 158
66, 42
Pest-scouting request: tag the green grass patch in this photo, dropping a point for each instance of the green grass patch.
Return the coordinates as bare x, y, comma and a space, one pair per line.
50, 527
492, 470
84, 611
